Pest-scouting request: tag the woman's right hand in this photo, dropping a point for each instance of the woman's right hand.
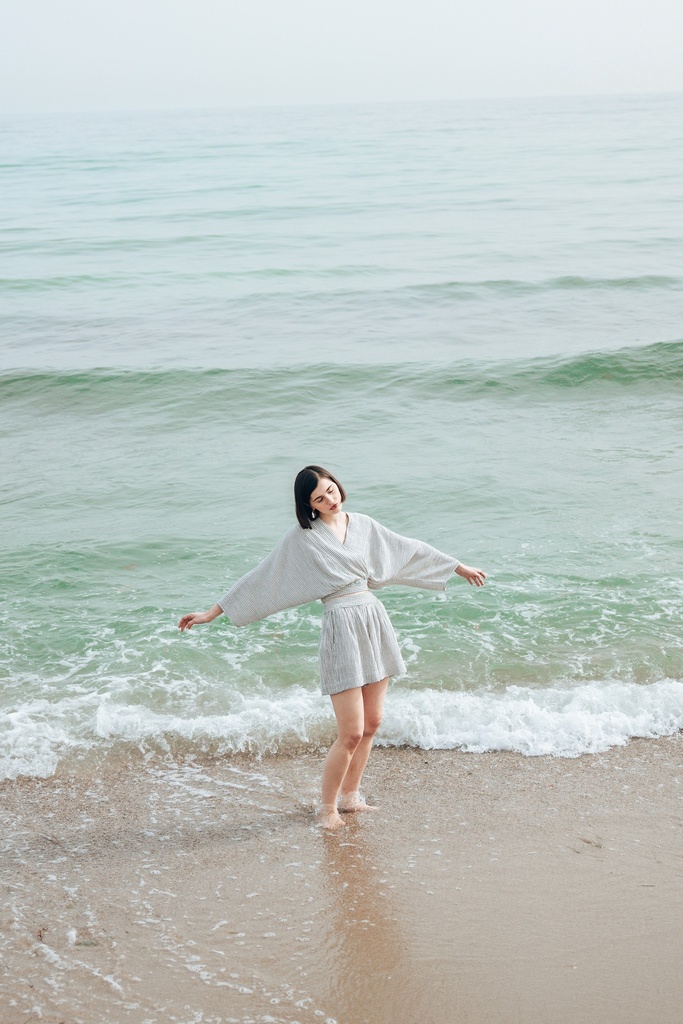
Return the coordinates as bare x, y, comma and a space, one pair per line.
194, 619
199, 618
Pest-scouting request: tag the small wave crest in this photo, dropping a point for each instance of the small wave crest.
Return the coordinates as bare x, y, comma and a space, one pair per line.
369, 279
157, 393
510, 288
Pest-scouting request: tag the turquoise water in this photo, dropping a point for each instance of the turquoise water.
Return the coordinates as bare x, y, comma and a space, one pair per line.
472, 314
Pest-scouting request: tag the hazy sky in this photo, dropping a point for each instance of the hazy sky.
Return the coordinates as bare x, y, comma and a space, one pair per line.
103, 54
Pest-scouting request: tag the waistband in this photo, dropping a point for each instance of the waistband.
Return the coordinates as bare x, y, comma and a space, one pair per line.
333, 601
357, 586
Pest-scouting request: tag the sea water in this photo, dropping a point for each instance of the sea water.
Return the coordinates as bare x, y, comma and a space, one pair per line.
471, 313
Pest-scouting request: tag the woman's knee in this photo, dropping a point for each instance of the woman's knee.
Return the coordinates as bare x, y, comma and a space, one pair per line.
372, 723
350, 738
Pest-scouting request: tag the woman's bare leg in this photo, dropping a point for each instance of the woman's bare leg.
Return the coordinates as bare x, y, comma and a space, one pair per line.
349, 710
373, 706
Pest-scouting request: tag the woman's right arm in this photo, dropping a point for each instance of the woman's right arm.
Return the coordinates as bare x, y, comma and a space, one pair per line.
197, 618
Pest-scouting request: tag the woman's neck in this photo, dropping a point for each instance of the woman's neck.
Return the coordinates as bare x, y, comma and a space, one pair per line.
337, 522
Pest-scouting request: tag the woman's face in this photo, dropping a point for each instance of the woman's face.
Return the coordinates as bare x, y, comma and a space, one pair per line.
326, 498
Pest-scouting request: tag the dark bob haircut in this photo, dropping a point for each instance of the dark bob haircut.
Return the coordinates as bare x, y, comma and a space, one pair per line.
304, 485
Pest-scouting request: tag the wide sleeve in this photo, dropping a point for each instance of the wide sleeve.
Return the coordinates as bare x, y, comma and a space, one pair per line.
284, 579
394, 559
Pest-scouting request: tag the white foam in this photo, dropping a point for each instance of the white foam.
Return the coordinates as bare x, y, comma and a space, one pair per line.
264, 724
567, 720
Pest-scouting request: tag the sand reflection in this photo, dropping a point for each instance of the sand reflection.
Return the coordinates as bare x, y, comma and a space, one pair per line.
366, 952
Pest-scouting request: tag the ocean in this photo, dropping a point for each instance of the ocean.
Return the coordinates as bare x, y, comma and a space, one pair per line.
471, 313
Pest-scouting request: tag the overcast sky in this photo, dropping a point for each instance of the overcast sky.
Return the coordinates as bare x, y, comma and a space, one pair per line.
120, 54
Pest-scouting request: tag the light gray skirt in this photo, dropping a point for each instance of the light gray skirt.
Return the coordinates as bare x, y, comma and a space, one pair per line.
357, 643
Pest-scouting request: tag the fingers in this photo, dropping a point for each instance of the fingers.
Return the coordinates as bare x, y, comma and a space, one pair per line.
475, 577
187, 622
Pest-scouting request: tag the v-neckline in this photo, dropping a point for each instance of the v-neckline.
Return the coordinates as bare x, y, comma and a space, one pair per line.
330, 530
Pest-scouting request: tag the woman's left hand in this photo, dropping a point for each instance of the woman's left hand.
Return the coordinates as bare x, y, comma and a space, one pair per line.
475, 577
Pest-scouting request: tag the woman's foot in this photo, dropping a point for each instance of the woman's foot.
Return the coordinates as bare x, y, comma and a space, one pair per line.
349, 803
329, 817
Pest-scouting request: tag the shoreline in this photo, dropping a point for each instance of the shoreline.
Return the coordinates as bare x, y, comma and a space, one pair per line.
486, 887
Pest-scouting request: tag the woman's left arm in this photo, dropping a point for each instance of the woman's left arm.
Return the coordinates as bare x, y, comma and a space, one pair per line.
474, 577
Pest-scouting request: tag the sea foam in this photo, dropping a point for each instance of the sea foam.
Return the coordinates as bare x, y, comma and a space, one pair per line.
565, 720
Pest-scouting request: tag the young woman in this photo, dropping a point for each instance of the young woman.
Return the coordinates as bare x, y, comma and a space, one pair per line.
340, 558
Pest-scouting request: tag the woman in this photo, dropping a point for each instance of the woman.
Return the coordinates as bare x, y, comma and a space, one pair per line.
340, 557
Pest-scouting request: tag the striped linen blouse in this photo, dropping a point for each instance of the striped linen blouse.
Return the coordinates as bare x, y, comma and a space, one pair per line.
309, 565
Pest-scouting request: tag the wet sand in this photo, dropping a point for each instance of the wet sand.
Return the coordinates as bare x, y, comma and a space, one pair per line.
486, 888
